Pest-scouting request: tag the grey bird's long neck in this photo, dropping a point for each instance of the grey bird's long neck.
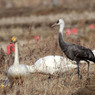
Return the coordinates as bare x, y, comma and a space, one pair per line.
16, 61
62, 43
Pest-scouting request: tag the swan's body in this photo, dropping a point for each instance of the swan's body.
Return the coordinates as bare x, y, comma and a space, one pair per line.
93, 52
51, 64
18, 71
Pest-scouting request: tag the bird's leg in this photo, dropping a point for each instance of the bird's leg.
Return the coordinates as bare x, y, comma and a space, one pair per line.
79, 71
12, 83
88, 70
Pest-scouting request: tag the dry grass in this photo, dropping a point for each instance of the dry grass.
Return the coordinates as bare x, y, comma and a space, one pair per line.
39, 84
37, 21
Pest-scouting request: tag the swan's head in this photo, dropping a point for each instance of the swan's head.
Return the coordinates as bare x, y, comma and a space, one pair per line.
59, 22
14, 40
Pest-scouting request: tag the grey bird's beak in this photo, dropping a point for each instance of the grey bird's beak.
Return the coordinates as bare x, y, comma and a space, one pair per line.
54, 24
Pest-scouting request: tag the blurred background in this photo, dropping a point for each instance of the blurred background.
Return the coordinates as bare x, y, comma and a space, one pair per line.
27, 18
43, 3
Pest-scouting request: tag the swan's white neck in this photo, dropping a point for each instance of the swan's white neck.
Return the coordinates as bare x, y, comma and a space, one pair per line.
16, 61
61, 28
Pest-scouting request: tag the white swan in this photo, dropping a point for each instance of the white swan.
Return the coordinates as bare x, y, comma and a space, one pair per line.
51, 64
16, 70
93, 52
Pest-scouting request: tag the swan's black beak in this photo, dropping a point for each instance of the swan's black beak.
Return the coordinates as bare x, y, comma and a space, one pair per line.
54, 24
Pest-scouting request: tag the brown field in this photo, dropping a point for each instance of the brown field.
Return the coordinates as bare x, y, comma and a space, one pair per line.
25, 23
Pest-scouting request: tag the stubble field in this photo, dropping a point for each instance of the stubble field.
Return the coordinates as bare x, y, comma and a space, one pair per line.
25, 28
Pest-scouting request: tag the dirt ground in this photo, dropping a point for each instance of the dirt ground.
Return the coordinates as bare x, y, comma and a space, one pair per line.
28, 24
